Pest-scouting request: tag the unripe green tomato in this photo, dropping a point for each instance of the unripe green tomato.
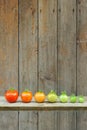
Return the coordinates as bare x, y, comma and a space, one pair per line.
81, 99
73, 98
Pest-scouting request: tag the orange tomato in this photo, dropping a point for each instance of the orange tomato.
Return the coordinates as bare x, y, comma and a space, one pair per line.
26, 96
39, 96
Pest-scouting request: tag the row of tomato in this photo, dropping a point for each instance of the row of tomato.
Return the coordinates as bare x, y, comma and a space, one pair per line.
11, 96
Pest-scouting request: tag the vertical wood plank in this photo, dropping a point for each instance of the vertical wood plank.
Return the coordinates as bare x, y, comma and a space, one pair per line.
47, 57
82, 59
28, 57
67, 57
8, 57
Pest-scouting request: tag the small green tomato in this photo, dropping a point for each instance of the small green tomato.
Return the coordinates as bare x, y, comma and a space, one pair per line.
63, 97
73, 98
81, 99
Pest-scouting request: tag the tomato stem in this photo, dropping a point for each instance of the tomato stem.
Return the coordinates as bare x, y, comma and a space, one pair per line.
81, 96
40, 91
12, 89
63, 92
52, 91
73, 94
26, 90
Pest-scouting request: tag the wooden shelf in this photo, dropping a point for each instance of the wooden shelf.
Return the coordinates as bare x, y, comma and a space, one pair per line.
46, 106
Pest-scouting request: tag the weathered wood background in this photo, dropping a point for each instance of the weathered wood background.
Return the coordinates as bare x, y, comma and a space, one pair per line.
43, 45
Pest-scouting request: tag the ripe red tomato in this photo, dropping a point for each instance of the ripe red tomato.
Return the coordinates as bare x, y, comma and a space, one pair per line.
39, 96
11, 95
26, 96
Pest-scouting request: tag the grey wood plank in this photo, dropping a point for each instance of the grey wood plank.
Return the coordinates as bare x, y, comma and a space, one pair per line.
8, 57
82, 59
47, 57
28, 57
67, 57
46, 106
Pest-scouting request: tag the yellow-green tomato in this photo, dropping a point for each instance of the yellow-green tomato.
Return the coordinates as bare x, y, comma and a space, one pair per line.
52, 96
63, 97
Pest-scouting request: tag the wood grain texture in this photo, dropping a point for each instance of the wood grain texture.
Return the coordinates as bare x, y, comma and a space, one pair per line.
28, 57
54, 68
82, 59
47, 57
8, 57
45, 106
67, 57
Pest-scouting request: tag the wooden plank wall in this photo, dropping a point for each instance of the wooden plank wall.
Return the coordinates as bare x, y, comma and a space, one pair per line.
43, 45
67, 57
8, 57
28, 57
47, 57
81, 59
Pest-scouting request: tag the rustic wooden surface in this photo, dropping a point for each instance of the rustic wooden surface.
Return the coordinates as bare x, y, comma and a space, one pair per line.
47, 10
82, 59
67, 57
28, 57
8, 57
38, 50
45, 106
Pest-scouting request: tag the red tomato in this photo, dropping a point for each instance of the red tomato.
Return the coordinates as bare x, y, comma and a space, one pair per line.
11, 95
26, 96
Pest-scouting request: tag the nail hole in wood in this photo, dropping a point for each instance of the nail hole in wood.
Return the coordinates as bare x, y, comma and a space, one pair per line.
79, 10
53, 10
40, 10
73, 10
31, 8
79, 2
59, 10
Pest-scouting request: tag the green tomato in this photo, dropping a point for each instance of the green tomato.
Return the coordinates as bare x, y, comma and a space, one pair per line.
52, 96
81, 99
73, 98
63, 97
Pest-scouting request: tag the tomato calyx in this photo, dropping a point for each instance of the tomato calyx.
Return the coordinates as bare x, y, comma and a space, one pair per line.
63, 93
26, 90
73, 96
40, 91
12, 89
52, 91
81, 96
